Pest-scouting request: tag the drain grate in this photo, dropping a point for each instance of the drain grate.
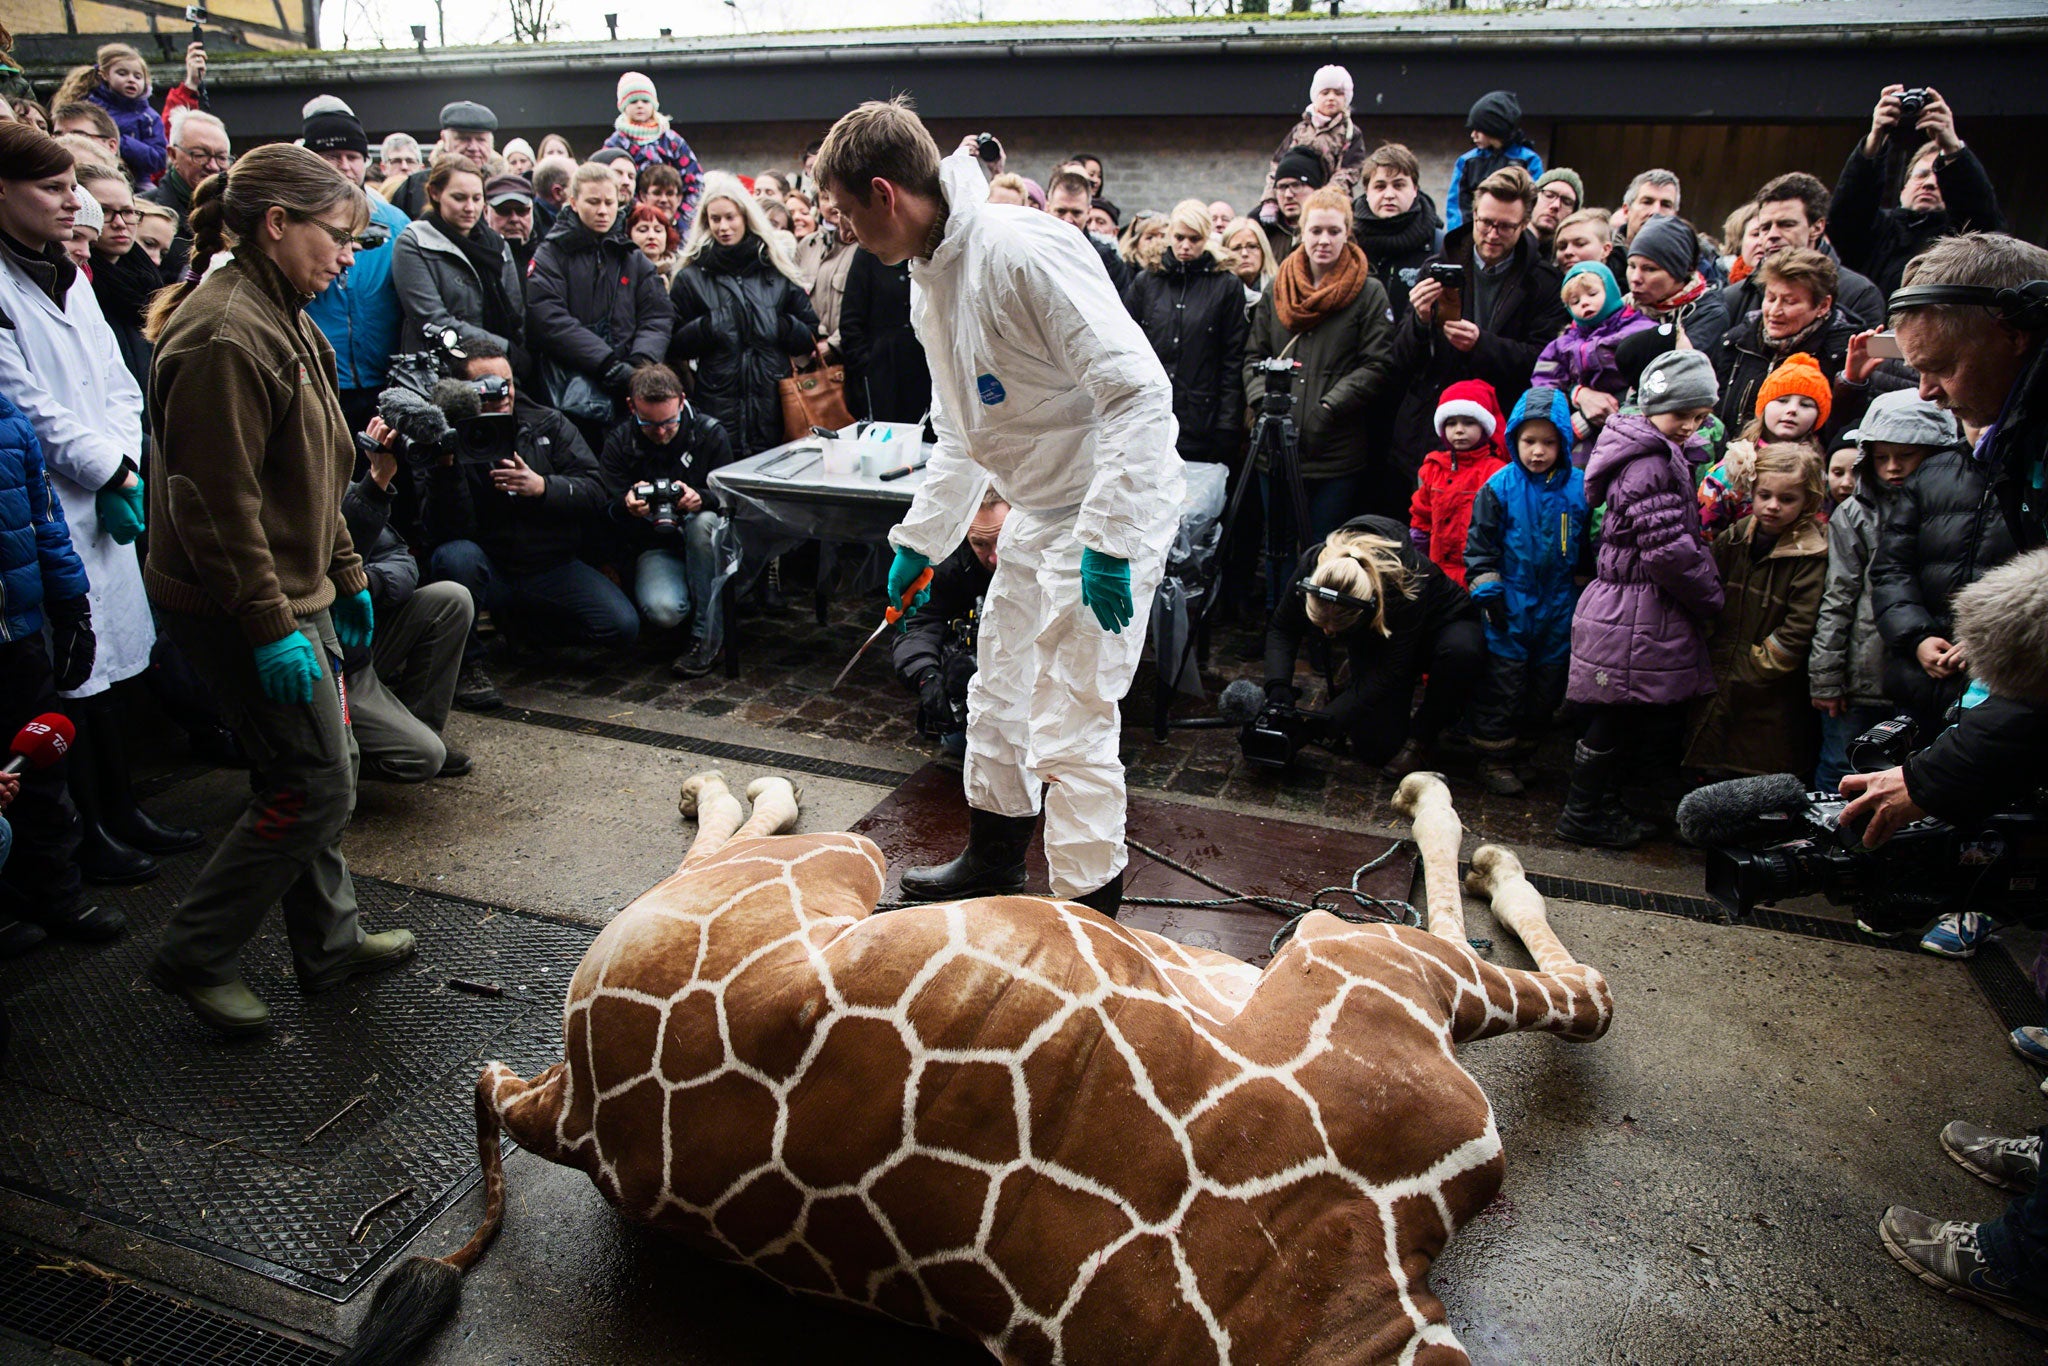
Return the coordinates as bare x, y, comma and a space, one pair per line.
68, 1305
710, 749
265, 1154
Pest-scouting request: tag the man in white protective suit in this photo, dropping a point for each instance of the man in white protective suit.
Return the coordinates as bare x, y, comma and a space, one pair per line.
1041, 380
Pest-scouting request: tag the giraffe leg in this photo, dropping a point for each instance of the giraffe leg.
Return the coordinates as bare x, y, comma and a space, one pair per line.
1563, 995
1497, 875
1423, 798
718, 813
775, 808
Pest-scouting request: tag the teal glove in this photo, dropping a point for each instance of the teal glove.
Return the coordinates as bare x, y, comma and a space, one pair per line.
288, 668
353, 620
903, 573
120, 512
1106, 589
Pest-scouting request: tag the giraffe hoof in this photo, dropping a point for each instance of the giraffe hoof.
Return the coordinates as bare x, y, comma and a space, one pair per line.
692, 794
1491, 866
780, 797
1416, 790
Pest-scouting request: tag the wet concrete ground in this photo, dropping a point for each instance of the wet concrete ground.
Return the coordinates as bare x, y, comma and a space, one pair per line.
1702, 1185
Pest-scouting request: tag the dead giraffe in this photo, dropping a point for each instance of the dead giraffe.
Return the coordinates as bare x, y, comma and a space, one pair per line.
1017, 1121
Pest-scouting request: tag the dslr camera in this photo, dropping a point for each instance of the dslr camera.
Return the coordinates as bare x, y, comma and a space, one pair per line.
663, 498
1928, 868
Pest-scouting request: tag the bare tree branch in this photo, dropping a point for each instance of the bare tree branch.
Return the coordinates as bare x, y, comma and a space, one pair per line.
533, 20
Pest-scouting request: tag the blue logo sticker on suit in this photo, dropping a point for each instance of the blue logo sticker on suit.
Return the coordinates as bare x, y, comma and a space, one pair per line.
991, 390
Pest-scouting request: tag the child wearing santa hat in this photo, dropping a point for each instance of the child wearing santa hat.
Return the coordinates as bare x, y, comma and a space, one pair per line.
642, 132
1439, 516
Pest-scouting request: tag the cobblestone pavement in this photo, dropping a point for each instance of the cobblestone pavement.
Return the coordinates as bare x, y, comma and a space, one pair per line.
788, 661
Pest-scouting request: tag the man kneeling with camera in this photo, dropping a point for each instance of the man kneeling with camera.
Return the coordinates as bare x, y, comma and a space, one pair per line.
935, 652
656, 466
508, 507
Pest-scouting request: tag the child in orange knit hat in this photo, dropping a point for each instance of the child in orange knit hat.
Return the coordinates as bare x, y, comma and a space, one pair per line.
1792, 404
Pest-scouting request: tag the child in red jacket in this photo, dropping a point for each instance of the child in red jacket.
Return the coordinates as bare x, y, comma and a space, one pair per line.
1469, 421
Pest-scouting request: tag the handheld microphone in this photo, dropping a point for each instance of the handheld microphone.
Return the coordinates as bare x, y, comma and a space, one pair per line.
1721, 814
1241, 702
40, 743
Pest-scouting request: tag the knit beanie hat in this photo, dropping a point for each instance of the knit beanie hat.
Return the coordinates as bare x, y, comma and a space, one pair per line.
1304, 164
1798, 373
1611, 291
1668, 244
89, 214
518, 146
331, 126
1473, 398
1569, 177
1677, 382
1497, 114
635, 85
1331, 77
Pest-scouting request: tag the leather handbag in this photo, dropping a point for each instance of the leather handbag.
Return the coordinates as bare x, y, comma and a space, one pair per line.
813, 398
575, 395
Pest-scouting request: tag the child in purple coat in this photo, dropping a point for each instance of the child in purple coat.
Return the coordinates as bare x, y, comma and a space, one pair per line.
118, 82
1639, 636
1581, 360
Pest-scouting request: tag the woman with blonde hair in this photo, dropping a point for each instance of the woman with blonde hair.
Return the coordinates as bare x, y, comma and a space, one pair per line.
1398, 618
1250, 257
1192, 312
741, 314
253, 574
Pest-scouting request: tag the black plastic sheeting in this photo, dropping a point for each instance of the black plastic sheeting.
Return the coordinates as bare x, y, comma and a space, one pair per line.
116, 1102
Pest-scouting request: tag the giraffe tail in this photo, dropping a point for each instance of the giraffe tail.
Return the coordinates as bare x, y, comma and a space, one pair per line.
415, 1300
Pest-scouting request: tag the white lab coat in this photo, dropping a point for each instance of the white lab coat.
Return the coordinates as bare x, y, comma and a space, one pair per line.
1041, 379
63, 368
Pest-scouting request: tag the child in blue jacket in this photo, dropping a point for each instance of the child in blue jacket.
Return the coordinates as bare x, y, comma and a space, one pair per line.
1524, 562
1495, 124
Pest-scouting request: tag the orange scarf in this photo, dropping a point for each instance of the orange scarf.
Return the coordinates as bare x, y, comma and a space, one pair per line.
1301, 303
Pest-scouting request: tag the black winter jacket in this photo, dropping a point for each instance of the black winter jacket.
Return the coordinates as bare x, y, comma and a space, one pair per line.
956, 583
1989, 761
1383, 668
522, 535
1856, 297
887, 378
1743, 358
592, 301
1397, 244
697, 449
394, 574
740, 330
1943, 531
1193, 314
1878, 239
1527, 316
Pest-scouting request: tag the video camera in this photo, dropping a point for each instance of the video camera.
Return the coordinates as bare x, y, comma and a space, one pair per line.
1767, 840
1270, 733
1279, 372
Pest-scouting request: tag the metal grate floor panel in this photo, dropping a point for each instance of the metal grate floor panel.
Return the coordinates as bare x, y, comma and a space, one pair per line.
266, 1153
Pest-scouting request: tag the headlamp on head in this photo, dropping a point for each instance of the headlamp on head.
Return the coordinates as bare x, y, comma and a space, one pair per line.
1336, 599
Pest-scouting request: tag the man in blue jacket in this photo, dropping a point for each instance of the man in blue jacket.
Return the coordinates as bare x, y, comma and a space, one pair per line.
41, 578
358, 313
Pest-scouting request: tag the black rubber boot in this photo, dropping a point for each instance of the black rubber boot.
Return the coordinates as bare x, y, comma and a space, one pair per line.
992, 864
119, 813
103, 857
1108, 898
1589, 817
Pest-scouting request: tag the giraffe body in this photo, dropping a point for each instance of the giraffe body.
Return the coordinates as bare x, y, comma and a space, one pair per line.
1015, 1120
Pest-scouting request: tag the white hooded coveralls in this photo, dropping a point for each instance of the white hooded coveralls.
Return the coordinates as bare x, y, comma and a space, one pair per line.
1041, 379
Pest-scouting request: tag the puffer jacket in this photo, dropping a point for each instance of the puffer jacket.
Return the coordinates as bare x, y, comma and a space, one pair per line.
1878, 239
1744, 358
1344, 366
1193, 314
1340, 144
437, 285
740, 330
1759, 719
1640, 632
1475, 166
1942, 532
37, 561
143, 148
1848, 656
592, 301
1440, 513
1527, 546
1584, 356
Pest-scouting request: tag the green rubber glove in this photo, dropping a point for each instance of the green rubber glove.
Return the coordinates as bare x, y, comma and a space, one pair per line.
353, 619
287, 669
120, 512
1106, 589
902, 573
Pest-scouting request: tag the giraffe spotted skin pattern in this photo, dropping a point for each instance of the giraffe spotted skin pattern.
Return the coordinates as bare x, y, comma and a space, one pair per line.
1015, 1120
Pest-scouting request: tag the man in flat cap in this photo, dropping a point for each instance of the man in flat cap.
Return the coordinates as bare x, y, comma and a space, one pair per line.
468, 129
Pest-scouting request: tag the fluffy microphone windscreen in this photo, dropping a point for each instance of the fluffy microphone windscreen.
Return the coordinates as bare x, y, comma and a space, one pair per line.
457, 399
1241, 702
1726, 813
45, 740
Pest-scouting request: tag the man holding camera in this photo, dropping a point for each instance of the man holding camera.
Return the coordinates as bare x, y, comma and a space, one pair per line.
508, 527
1947, 190
656, 467
1971, 319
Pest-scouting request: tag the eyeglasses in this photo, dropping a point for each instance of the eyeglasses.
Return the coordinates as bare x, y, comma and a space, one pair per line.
1557, 196
208, 158
665, 425
342, 237
122, 215
1493, 227
512, 207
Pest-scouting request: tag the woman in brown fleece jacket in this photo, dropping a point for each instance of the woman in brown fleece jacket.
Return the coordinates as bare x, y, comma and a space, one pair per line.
251, 567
